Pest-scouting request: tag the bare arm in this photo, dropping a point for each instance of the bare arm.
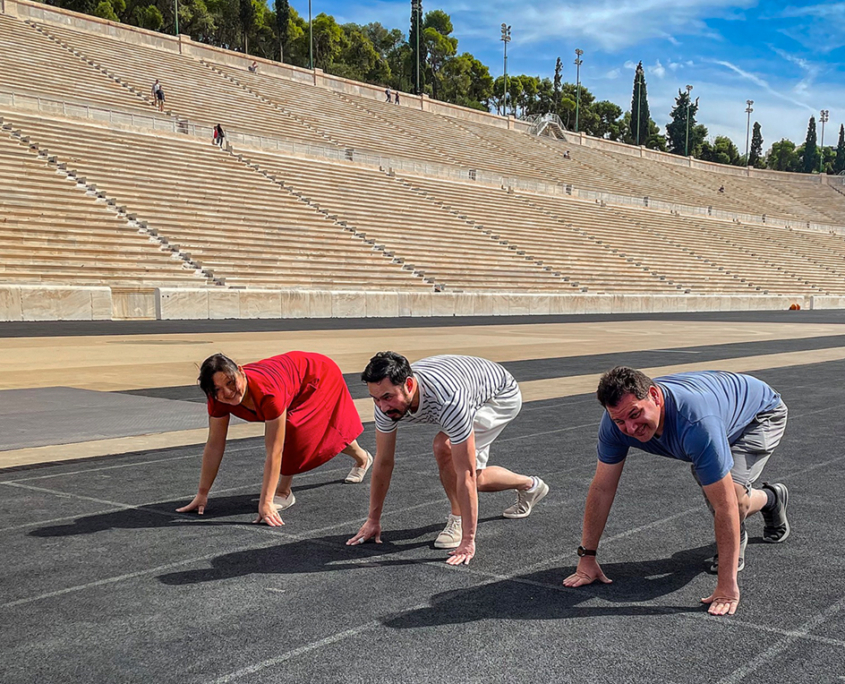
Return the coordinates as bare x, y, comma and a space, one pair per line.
599, 502
463, 460
274, 442
722, 496
379, 484
212, 455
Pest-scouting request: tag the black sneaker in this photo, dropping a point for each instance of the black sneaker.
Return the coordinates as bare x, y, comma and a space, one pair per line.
776, 528
743, 542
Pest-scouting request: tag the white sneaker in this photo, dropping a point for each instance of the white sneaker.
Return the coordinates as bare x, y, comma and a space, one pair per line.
358, 472
283, 502
450, 537
526, 500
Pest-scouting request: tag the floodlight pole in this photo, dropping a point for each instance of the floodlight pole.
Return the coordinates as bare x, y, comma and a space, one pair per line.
176, 15
506, 38
578, 63
310, 37
416, 8
824, 118
748, 111
689, 102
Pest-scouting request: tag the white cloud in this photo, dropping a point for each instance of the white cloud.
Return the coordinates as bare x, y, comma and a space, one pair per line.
613, 73
630, 65
761, 83
811, 71
818, 27
658, 69
606, 24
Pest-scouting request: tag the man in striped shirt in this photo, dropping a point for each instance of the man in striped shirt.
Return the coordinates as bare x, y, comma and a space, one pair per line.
472, 400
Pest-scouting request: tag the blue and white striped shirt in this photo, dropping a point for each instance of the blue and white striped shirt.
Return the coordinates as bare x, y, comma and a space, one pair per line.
452, 389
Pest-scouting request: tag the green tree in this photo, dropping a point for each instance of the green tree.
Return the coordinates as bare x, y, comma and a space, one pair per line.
149, 17
722, 151
839, 161
439, 46
755, 156
557, 84
328, 41
282, 18
783, 156
104, 10
358, 59
609, 123
417, 57
811, 158
246, 17
640, 115
683, 120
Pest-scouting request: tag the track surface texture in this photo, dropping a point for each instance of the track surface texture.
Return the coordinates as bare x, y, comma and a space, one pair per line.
102, 581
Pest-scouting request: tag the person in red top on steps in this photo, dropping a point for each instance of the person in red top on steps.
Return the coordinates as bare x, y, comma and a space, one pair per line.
308, 414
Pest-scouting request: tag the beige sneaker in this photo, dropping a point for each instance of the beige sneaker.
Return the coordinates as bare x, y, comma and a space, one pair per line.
283, 502
358, 472
525, 501
450, 537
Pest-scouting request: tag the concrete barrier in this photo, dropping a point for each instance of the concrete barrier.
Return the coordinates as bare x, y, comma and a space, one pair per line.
55, 303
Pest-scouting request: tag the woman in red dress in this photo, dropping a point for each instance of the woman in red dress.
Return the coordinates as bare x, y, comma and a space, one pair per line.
308, 414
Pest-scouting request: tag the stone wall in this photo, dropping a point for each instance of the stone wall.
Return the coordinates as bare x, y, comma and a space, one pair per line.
66, 303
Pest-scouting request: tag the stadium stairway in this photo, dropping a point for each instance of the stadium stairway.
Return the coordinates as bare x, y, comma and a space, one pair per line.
194, 201
58, 228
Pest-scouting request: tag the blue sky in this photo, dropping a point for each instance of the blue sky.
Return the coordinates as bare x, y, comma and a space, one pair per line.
788, 57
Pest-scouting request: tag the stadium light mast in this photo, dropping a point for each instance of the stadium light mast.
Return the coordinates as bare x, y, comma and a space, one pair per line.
824, 118
748, 111
416, 11
176, 15
506, 38
310, 37
578, 63
689, 102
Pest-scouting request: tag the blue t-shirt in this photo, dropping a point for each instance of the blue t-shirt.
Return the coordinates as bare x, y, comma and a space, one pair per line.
705, 413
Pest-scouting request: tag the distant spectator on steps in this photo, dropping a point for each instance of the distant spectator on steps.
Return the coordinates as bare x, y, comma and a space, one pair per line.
395, 97
253, 68
218, 135
158, 95
387, 94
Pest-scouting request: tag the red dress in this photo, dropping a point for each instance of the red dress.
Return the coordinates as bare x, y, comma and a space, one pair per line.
321, 418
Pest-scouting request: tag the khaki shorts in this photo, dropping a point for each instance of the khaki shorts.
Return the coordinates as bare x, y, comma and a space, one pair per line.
489, 421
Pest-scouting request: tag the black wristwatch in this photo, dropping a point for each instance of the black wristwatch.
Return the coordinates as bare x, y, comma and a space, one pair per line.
586, 552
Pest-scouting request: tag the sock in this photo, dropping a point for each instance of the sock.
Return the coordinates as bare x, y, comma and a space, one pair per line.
771, 500
534, 484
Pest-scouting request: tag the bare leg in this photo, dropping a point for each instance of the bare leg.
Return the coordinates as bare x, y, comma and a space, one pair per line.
355, 451
283, 488
448, 478
749, 504
498, 479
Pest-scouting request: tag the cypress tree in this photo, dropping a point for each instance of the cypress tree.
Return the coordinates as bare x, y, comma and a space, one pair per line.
414, 40
756, 152
811, 149
683, 120
839, 162
282, 21
639, 108
557, 82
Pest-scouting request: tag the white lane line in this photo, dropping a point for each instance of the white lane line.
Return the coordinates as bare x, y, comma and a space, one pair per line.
753, 666
132, 575
675, 351
334, 638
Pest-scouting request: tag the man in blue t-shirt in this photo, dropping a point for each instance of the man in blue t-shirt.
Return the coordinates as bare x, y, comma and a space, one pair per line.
726, 425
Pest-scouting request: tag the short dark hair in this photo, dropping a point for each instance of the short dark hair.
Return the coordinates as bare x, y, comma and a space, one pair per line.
388, 364
219, 363
620, 381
